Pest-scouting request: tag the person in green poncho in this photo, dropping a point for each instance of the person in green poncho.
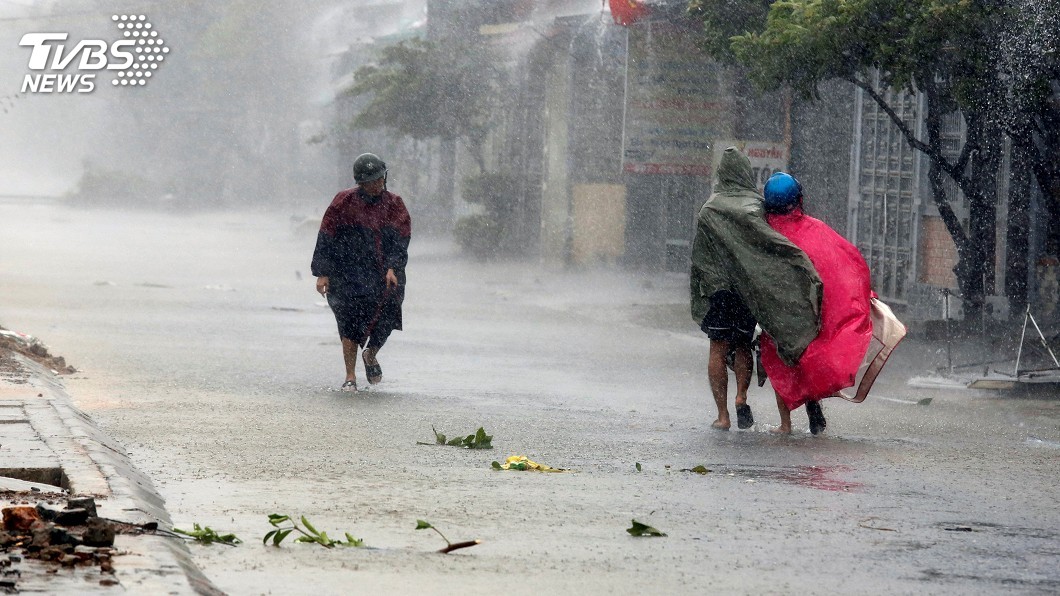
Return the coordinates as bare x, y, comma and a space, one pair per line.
743, 272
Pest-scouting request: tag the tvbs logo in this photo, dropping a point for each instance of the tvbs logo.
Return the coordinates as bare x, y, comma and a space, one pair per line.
135, 56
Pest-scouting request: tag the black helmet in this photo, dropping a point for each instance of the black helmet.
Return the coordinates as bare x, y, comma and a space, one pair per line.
368, 167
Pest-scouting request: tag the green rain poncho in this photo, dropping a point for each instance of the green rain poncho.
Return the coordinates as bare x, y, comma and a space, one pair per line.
735, 249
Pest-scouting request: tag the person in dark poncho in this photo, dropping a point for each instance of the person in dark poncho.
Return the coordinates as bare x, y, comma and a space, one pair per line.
743, 272
359, 263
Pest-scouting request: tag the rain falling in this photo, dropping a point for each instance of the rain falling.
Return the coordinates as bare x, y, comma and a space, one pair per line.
530, 296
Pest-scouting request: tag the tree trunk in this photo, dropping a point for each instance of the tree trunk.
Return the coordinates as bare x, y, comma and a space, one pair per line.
446, 183
1017, 237
969, 258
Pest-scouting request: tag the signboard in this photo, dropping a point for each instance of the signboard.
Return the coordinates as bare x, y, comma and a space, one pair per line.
677, 103
766, 157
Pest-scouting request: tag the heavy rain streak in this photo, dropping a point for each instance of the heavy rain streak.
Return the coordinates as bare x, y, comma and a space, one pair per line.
593, 297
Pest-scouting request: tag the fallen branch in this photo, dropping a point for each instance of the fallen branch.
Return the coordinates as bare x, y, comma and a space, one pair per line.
459, 545
449, 546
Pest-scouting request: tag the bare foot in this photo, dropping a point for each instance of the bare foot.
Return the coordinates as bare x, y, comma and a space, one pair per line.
721, 424
781, 430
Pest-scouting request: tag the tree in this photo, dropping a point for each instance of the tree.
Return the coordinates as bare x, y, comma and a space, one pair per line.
444, 89
1031, 55
948, 50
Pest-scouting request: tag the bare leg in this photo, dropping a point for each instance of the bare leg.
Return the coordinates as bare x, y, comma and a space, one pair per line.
349, 356
785, 417
742, 366
719, 382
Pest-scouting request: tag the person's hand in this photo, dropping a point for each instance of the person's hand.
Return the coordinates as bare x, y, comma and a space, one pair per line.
391, 279
322, 285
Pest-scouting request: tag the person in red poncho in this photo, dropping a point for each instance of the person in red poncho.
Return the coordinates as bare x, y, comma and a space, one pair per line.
359, 262
831, 361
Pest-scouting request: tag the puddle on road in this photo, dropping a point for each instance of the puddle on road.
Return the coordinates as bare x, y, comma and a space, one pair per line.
1036, 442
827, 478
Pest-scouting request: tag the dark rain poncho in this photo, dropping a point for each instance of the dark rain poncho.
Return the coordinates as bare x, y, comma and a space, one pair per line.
360, 238
735, 249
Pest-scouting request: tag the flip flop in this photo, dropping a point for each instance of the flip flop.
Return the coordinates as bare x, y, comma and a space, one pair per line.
744, 418
374, 372
817, 420
349, 386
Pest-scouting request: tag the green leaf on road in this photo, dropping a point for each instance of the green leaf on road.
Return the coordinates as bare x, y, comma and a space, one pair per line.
309, 534
479, 440
422, 525
640, 530
638, 466
207, 535
351, 541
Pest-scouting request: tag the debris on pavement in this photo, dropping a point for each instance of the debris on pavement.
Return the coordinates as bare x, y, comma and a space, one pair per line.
31, 348
449, 546
67, 535
523, 464
700, 469
207, 535
640, 530
307, 531
479, 440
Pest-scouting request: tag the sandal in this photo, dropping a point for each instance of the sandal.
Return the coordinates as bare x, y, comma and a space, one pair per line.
817, 420
349, 386
744, 418
374, 372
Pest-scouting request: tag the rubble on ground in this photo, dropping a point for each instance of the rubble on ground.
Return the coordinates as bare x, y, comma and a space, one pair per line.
31, 348
59, 533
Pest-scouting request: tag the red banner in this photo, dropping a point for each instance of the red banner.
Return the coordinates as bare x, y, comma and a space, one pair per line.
626, 12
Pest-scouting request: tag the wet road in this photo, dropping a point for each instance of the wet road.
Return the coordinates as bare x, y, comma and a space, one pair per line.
203, 353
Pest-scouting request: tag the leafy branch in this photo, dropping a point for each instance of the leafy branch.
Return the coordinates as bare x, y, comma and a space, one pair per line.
308, 533
479, 440
450, 546
207, 535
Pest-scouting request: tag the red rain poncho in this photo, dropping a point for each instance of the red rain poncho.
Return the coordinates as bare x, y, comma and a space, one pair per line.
830, 363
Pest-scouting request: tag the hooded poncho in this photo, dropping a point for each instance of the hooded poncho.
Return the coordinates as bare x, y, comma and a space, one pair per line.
735, 249
831, 361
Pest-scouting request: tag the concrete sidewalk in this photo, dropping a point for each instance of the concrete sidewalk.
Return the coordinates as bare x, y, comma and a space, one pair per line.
51, 452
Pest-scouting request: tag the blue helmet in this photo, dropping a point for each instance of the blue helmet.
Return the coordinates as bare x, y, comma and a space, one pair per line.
782, 192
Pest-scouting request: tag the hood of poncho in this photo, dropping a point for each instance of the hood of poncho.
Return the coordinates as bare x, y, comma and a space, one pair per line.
735, 249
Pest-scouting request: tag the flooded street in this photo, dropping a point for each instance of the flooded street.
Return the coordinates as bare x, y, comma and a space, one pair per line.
204, 349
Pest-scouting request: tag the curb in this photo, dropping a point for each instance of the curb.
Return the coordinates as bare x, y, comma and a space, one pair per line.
94, 464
